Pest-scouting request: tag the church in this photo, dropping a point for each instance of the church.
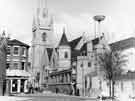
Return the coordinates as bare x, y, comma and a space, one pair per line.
71, 67
59, 66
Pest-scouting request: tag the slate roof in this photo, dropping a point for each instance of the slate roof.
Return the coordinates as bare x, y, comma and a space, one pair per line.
49, 52
123, 44
17, 42
74, 52
95, 41
63, 40
74, 42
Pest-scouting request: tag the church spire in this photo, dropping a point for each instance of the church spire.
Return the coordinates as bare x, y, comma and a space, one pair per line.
63, 40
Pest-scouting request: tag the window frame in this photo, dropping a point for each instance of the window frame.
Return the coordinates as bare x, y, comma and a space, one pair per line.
66, 55
89, 64
24, 52
15, 66
14, 50
9, 47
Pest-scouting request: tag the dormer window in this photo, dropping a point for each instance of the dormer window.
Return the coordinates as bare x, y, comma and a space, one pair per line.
66, 55
44, 36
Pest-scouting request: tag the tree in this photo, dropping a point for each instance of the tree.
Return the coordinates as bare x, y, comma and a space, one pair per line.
111, 63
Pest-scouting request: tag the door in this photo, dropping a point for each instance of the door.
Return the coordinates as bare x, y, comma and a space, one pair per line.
14, 85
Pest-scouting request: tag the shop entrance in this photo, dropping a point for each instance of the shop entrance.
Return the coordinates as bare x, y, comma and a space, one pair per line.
14, 85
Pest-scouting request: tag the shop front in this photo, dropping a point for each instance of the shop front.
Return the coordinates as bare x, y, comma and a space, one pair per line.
17, 83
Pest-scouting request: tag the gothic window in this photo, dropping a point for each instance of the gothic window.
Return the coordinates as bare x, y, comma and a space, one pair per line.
44, 36
66, 55
89, 64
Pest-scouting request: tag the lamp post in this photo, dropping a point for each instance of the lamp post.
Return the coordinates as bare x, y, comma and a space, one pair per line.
99, 19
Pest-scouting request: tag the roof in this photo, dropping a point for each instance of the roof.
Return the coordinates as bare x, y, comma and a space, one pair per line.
74, 42
95, 41
123, 44
17, 42
49, 52
63, 40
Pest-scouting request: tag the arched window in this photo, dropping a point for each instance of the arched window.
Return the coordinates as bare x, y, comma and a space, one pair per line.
44, 36
66, 55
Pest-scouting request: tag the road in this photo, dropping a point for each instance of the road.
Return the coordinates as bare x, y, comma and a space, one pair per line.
41, 97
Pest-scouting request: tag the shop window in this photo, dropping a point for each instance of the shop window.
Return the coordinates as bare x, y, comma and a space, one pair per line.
14, 85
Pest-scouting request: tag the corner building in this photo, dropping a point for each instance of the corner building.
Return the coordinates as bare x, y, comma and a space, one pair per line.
17, 64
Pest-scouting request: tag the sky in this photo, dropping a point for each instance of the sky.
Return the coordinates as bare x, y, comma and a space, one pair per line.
76, 16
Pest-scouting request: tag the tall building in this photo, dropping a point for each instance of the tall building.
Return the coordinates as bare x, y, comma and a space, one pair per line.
42, 41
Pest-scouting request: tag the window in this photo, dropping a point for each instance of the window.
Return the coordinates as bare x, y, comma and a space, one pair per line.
89, 64
23, 50
7, 66
15, 65
23, 65
44, 36
16, 50
81, 65
8, 50
66, 55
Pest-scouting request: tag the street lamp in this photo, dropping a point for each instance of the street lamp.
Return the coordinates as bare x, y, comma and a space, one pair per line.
98, 18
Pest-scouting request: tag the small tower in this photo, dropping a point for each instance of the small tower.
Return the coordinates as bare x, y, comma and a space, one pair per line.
64, 52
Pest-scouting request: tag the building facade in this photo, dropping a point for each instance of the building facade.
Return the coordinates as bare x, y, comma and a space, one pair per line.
16, 67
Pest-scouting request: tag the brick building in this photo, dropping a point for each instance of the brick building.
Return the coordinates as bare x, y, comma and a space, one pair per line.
16, 67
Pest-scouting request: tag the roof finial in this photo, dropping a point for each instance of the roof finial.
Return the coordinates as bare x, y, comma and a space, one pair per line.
63, 30
3, 33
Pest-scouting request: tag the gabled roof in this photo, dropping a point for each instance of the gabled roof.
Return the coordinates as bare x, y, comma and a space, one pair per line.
49, 52
74, 42
63, 40
95, 41
123, 44
17, 42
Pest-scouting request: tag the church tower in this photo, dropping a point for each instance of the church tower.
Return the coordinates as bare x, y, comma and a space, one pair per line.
64, 52
42, 39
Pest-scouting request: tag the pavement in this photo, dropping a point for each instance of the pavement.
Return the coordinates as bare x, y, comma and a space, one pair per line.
45, 97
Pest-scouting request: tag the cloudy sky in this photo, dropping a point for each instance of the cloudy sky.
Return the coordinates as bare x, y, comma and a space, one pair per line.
75, 15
